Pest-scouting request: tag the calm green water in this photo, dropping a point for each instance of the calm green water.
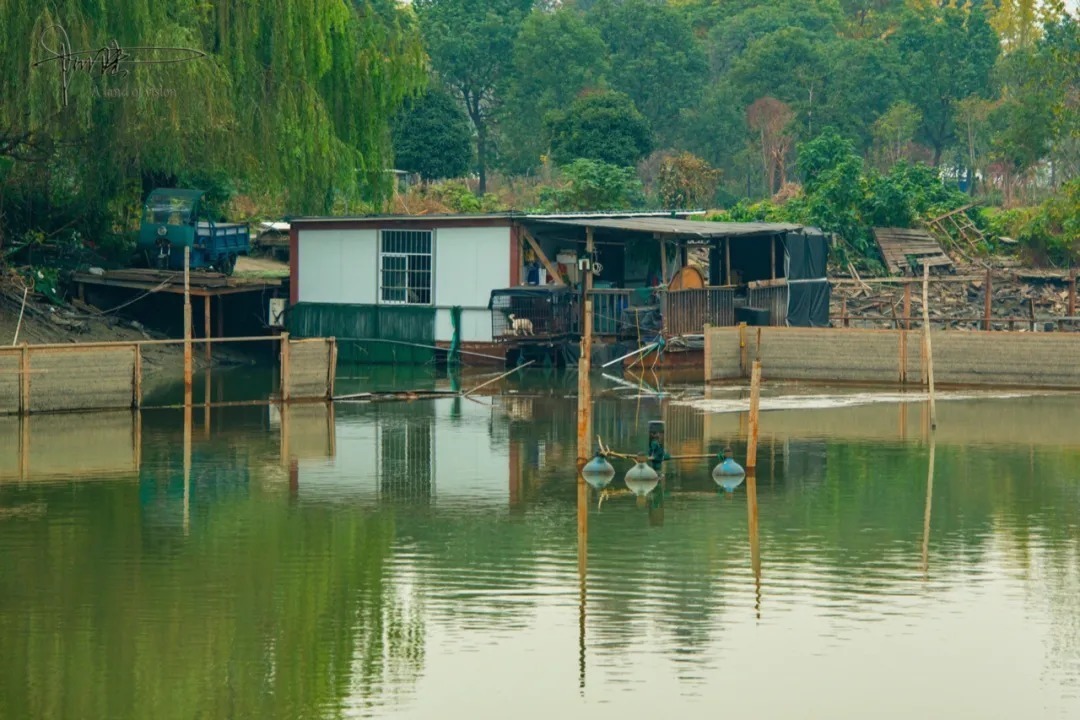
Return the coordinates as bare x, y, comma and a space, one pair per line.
419, 560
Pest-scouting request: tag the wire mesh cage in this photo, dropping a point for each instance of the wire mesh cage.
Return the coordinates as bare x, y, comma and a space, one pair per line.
523, 314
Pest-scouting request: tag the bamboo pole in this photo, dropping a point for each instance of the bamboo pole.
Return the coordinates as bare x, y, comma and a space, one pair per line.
755, 404
752, 529
585, 391
772, 257
988, 287
187, 464
467, 393
583, 562
284, 370
928, 351
136, 390
926, 512
187, 325
24, 380
18, 325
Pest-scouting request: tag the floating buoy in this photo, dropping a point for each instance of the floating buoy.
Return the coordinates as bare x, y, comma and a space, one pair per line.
641, 479
728, 474
598, 472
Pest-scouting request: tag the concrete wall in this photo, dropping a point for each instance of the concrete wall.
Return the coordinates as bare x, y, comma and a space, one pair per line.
997, 359
338, 266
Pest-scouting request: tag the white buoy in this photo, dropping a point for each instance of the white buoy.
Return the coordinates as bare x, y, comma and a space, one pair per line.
641, 479
598, 472
728, 474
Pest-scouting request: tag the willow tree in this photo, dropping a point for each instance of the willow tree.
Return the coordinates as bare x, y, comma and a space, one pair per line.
293, 98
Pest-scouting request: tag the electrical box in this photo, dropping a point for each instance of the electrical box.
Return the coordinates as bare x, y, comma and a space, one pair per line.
277, 312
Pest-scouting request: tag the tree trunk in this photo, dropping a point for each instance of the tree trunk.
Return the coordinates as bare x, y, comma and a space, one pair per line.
481, 156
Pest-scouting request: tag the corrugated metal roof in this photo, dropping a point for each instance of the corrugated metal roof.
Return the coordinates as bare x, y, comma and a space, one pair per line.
469, 217
674, 226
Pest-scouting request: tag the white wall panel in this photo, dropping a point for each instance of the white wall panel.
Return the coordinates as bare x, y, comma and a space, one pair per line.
469, 264
338, 266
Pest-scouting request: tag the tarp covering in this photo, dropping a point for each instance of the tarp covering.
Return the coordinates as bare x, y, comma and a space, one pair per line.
806, 263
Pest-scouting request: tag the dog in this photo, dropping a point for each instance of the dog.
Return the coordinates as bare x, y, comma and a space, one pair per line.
520, 326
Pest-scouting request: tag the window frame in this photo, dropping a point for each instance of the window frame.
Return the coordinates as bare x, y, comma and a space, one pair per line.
382, 271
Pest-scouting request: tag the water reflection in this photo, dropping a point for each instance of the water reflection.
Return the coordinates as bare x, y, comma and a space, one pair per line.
401, 558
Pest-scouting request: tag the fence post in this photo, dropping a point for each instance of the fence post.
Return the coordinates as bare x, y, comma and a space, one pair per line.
989, 287
755, 401
332, 369
136, 390
284, 390
907, 306
24, 380
743, 351
708, 354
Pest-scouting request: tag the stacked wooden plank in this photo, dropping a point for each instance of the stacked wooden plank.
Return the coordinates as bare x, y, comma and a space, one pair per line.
906, 249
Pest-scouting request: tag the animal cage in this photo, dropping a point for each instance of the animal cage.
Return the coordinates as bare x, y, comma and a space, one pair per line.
532, 313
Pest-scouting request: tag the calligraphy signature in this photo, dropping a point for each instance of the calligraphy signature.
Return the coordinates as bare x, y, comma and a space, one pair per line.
106, 60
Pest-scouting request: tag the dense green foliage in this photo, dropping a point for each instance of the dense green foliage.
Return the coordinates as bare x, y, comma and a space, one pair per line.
292, 106
432, 137
286, 100
601, 126
985, 93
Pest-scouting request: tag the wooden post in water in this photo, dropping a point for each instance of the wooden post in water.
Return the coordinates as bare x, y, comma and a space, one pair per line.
988, 287
752, 526
584, 362
928, 352
283, 391
755, 402
187, 325
583, 562
926, 512
187, 460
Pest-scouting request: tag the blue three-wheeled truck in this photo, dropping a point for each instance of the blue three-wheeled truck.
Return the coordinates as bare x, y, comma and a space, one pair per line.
173, 219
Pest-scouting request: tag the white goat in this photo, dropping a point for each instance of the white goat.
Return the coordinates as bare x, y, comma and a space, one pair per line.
520, 326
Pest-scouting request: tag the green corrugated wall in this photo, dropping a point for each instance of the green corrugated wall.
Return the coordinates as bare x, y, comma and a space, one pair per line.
384, 322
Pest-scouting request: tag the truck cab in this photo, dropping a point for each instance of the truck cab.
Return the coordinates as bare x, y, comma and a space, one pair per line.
174, 219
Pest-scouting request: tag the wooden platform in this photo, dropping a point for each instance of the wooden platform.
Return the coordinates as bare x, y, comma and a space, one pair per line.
202, 283
898, 244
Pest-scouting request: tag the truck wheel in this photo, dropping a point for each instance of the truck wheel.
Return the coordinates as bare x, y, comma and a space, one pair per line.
228, 264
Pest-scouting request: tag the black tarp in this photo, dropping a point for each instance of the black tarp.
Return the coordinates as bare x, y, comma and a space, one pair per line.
806, 261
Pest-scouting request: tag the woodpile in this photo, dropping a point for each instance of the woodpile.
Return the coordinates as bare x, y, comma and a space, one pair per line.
1020, 299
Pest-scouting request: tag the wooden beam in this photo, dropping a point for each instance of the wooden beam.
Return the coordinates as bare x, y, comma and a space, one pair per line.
663, 259
772, 254
727, 261
206, 327
548, 265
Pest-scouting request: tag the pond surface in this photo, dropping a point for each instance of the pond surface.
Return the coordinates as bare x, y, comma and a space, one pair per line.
426, 559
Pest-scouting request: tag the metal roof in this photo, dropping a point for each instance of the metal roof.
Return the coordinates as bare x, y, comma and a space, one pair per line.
674, 226
509, 215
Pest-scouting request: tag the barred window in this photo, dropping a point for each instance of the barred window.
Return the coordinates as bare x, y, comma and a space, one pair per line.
405, 267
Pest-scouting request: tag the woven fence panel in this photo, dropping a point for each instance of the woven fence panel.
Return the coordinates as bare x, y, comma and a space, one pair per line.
309, 369
92, 378
9, 381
